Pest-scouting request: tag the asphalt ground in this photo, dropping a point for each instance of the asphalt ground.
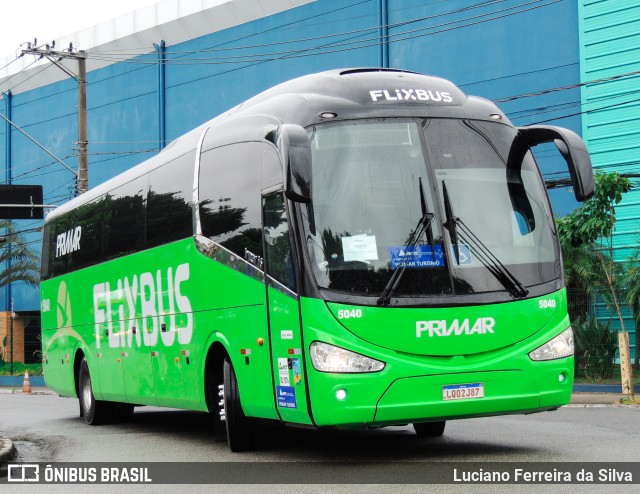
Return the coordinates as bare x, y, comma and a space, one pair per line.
578, 399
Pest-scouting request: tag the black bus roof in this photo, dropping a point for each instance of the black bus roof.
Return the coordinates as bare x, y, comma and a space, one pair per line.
340, 94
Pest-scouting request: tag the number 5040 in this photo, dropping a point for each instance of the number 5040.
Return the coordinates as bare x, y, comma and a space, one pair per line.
547, 304
350, 314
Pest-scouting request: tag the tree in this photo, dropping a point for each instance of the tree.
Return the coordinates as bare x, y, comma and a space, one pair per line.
19, 262
632, 283
593, 224
581, 269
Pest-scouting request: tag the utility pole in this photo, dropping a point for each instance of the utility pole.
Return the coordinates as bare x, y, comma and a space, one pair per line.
55, 57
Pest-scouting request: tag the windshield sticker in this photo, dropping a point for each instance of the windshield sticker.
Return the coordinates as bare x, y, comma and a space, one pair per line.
419, 256
462, 255
360, 248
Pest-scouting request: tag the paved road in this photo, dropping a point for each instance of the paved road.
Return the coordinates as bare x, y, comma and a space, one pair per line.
47, 428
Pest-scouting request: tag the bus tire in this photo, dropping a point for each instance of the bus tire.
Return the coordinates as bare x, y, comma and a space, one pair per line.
240, 428
429, 429
94, 412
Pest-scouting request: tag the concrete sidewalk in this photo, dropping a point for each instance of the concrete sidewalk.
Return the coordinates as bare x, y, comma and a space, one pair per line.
587, 399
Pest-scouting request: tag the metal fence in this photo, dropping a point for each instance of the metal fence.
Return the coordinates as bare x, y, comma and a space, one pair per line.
596, 326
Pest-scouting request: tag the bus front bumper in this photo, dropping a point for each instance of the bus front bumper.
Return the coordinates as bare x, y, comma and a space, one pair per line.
422, 398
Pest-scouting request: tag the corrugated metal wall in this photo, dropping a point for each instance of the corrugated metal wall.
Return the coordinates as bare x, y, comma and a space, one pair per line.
610, 53
610, 50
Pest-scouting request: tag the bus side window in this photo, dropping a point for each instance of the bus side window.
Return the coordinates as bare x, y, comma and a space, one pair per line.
279, 262
89, 248
230, 211
124, 211
169, 201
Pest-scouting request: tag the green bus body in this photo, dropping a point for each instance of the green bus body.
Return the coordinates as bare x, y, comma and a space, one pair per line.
156, 319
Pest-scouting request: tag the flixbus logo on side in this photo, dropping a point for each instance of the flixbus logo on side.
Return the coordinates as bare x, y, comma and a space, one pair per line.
457, 327
142, 309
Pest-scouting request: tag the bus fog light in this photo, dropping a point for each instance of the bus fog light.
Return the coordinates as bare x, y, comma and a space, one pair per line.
562, 377
341, 394
330, 358
559, 347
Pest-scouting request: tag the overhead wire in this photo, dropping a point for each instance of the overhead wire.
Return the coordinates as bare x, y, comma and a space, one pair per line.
316, 38
342, 46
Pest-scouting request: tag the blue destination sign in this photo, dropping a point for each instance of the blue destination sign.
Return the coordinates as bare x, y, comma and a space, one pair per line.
419, 256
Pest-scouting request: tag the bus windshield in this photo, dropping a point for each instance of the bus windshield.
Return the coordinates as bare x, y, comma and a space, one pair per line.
483, 223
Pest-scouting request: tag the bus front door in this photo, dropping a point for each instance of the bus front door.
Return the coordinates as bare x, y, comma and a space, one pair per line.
290, 385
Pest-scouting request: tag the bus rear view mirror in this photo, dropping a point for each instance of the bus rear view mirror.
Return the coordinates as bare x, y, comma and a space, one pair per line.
572, 149
296, 150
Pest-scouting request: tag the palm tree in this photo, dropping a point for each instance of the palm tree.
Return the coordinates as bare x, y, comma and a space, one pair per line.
19, 262
583, 277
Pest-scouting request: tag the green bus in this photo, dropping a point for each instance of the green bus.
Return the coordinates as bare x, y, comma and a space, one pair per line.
354, 248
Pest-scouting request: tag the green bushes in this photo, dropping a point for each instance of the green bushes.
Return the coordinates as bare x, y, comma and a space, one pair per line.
595, 350
19, 368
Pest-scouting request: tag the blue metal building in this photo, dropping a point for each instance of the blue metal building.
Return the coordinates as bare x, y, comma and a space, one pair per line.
160, 71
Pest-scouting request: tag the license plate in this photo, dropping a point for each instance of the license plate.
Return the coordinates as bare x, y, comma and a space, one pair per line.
463, 391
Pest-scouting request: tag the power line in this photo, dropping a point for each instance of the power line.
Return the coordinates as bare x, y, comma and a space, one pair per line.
340, 46
567, 87
316, 38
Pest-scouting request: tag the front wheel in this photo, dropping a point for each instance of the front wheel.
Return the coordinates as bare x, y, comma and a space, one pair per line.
94, 412
429, 429
240, 428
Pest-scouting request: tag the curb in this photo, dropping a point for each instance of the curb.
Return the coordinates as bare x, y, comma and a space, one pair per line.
18, 391
601, 388
7, 449
18, 380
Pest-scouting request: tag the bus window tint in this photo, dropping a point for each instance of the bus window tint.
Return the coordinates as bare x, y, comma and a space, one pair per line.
83, 228
89, 251
169, 201
277, 244
124, 210
230, 197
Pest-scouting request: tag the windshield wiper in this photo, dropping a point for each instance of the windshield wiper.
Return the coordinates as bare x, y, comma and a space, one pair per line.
457, 229
423, 224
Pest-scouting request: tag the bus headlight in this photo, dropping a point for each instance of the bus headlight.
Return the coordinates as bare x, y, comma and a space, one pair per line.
559, 347
329, 358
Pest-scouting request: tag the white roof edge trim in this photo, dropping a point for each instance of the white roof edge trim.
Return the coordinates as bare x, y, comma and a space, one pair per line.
171, 21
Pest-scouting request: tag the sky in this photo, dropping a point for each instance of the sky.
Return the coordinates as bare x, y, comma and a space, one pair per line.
21, 21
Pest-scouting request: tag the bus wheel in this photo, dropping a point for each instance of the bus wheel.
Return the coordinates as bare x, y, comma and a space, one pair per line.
240, 428
93, 411
429, 429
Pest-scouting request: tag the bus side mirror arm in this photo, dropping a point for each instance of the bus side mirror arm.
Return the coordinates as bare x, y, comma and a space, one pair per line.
572, 149
296, 151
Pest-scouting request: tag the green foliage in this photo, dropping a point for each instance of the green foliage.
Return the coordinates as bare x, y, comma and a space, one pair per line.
24, 263
582, 267
596, 218
588, 231
595, 350
19, 368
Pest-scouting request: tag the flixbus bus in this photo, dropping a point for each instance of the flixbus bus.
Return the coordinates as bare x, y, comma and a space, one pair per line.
354, 248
